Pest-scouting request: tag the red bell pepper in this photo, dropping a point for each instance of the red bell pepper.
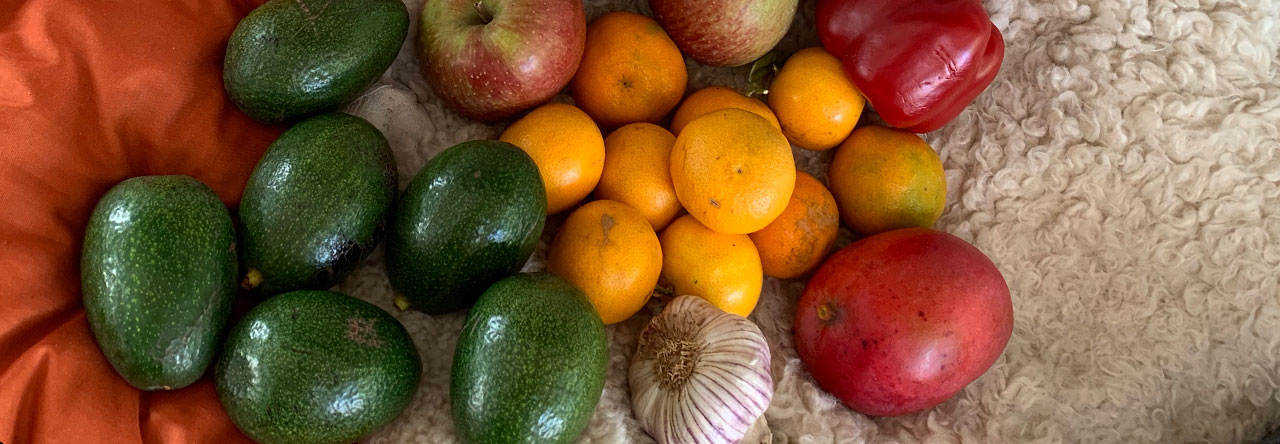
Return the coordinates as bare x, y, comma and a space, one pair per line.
919, 62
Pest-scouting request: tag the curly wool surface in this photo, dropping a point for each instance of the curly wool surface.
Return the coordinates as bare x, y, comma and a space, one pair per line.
1121, 171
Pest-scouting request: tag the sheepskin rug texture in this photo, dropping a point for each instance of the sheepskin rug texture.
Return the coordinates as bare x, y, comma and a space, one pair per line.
1122, 171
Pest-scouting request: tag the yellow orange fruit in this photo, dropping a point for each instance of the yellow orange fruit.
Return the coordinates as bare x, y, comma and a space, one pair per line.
797, 241
722, 268
637, 172
715, 98
631, 71
608, 251
733, 171
886, 178
814, 100
567, 147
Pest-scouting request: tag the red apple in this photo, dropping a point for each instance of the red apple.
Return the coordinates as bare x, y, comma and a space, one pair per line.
899, 322
724, 32
490, 59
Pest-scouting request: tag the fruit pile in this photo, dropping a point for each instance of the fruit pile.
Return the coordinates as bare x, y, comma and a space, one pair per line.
694, 199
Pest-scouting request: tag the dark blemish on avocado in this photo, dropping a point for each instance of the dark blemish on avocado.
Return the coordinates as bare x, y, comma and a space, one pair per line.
606, 224
336, 258
301, 351
361, 331
476, 174
714, 203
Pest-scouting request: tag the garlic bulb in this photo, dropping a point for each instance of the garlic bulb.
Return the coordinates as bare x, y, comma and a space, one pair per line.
700, 375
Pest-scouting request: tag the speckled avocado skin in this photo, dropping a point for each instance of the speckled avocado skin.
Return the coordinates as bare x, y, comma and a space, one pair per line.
471, 216
316, 367
158, 273
529, 366
317, 203
289, 59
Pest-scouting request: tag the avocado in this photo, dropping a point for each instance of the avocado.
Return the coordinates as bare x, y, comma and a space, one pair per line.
529, 366
158, 273
289, 59
471, 216
316, 204
316, 367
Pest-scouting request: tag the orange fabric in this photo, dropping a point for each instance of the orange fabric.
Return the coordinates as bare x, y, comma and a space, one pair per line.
92, 93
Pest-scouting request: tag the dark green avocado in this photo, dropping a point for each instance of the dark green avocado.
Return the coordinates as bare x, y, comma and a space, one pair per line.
529, 366
316, 204
158, 272
316, 367
289, 59
471, 216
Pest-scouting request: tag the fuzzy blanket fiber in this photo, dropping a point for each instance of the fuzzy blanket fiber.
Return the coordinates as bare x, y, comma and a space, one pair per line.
1122, 171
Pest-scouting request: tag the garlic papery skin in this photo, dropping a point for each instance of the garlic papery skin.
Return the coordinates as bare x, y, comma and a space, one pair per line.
699, 375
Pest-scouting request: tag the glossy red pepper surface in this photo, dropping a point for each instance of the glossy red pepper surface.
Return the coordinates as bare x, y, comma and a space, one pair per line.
919, 62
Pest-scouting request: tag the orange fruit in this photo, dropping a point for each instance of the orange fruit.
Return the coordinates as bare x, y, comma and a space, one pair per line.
637, 172
815, 102
722, 268
608, 251
567, 147
886, 178
715, 98
631, 71
797, 241
733, 171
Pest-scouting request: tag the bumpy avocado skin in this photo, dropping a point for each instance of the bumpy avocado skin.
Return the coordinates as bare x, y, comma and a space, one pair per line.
158, 273
316, 367
316, 204
471, 216
529, 366
289, 59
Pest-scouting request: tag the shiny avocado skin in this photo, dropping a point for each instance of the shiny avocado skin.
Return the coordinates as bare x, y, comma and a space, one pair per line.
471, 216
158, 275
316, 367
289, 59
529, 366
316, 204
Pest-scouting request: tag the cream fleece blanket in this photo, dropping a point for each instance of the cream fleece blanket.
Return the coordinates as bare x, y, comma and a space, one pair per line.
1121, 171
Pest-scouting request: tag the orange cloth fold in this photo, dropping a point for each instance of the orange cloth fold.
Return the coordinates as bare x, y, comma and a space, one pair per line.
92, 93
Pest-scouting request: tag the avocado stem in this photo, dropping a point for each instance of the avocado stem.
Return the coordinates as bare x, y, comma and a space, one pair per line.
252, 279
401, 302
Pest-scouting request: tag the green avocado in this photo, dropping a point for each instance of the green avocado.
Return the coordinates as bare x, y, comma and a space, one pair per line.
529, 366
316, 204
471, 216
316, 367
289, 59
158, 273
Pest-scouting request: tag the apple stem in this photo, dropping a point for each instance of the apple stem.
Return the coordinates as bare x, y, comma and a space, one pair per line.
484, 15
